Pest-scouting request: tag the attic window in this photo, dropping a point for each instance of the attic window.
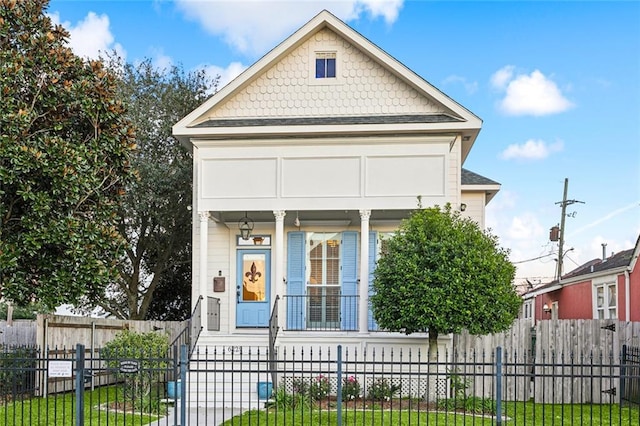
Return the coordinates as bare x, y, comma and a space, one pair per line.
326, 65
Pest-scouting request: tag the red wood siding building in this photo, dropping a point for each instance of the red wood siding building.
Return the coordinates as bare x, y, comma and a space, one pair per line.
599, 289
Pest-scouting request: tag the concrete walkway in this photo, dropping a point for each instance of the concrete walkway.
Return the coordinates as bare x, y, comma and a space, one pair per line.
199, 416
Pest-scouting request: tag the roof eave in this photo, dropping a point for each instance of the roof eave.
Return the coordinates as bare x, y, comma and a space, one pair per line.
580, 278
489, 190
257, 131
326, 19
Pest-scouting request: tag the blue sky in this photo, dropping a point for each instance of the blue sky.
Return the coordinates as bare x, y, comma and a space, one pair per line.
557, 85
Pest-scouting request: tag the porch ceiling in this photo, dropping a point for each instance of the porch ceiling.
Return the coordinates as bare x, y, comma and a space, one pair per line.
231, 218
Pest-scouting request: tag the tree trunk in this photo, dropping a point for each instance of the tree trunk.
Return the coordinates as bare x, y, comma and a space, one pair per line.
432, 379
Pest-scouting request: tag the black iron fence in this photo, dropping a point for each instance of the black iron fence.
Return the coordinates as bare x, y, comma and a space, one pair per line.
630, 381
192, 329
342, 384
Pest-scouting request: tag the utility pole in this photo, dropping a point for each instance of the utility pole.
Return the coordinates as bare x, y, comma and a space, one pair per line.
564, 203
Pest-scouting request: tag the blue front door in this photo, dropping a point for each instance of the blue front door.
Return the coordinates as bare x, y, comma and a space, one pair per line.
253, 288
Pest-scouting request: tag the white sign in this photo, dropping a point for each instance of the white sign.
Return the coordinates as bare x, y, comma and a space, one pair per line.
60, 368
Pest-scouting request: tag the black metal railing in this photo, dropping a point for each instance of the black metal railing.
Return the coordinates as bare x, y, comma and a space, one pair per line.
323, 311
273, 334
630, 380
344, 385
337, 384
192, 329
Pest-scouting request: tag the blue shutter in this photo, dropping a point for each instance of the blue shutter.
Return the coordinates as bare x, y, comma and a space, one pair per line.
295, 281
349, 279
373, 245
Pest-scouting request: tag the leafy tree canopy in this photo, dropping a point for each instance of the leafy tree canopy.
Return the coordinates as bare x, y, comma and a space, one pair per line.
64, 163
29, 312
154, 280
440, 272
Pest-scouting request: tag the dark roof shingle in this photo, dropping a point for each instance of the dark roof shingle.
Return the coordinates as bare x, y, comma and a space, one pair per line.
470, 178
333, 120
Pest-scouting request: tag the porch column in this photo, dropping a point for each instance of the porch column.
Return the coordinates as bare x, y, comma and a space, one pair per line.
204, 236
363, 317
278, 245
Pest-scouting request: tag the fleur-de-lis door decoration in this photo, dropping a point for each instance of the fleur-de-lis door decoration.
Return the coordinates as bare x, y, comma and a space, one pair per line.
253, 273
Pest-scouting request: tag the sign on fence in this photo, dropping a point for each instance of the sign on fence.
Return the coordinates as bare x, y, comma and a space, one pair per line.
129, 366
60, 369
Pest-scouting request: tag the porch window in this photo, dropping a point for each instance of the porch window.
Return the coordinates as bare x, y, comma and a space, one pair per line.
606, 301
323, 285
326, 65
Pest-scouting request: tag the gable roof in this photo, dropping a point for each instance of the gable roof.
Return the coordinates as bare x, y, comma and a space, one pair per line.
471, 181
199, 124
614, 264
470, 178
617, 260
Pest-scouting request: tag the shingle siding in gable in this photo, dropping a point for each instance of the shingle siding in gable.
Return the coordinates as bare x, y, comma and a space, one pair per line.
365, 87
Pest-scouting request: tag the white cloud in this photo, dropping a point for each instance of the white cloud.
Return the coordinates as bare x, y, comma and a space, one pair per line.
470, 86
388, 9
531, 150
501, 78
161, 61
227, 74
525, 228
91, 36
532, 94
254, 26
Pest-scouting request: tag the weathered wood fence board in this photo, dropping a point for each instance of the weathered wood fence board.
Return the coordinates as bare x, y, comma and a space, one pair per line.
60, 334
570, 345
18, 333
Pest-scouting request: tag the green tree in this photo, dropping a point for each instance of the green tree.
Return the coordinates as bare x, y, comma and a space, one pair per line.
64, 163
155, 220
29, 312
441, 273
150, 351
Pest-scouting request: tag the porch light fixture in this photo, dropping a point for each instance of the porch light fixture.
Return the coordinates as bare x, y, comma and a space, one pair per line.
546, 308
463, 207
246, 226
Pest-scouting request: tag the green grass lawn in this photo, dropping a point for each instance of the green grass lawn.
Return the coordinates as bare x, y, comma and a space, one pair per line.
515, 414
60, 410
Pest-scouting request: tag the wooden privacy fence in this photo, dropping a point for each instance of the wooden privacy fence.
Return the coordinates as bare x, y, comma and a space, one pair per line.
60, 334
18, 333
544, 358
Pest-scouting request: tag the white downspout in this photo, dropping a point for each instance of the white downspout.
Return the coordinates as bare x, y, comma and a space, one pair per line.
627, 302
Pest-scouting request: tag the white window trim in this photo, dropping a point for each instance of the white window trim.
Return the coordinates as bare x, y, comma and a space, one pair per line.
331, 81
527, 310
606, 283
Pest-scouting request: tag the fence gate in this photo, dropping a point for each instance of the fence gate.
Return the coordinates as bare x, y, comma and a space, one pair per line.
630, 374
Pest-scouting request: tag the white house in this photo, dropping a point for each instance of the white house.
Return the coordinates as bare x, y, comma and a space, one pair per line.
319, 149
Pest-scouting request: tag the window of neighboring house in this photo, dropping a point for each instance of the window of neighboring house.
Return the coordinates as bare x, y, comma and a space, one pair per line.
554, 310
527, 310
323, 286
606, 301
326, 65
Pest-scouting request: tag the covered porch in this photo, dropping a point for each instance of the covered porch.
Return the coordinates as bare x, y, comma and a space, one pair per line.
297, 270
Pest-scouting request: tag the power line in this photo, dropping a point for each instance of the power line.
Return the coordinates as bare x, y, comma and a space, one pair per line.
535, 258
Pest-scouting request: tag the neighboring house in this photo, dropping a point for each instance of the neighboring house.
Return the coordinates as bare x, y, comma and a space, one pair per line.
318, 150
606, 288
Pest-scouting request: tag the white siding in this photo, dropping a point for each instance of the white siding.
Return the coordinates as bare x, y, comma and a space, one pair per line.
349, 174
475, 202
289, 88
